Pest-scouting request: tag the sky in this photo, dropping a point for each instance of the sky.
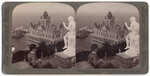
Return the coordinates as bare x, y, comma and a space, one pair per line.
86, 15
26, 13
90, 13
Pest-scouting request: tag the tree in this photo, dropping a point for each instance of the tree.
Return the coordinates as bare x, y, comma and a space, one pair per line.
101, 52
41, 49
107, 49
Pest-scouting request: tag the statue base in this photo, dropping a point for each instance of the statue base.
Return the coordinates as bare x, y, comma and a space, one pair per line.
133, 52
123, 55
70, 52
64, 61
127, 61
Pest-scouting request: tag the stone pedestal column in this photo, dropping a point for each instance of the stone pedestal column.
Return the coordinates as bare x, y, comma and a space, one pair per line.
126, 61
64, 61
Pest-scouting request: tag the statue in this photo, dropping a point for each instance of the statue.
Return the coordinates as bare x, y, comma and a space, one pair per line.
69, 38
132, 39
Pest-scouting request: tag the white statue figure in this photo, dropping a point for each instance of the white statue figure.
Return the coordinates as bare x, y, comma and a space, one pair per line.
132, 39
69, 38
132, 28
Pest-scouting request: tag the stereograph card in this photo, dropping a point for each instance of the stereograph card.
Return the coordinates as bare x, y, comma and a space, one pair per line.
75, 38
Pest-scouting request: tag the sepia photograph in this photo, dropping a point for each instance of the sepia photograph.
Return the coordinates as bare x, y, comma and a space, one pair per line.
107, 36
43, 36
75, 38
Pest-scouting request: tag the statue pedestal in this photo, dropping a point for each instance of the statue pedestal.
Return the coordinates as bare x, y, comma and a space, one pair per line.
122, 55
127, 61
64, 61
132, 52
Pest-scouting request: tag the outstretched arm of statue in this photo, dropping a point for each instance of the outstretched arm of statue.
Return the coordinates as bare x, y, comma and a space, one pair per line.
65, 25
127, 26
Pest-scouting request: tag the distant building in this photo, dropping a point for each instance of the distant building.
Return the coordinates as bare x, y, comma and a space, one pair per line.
108, 31
44, 30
